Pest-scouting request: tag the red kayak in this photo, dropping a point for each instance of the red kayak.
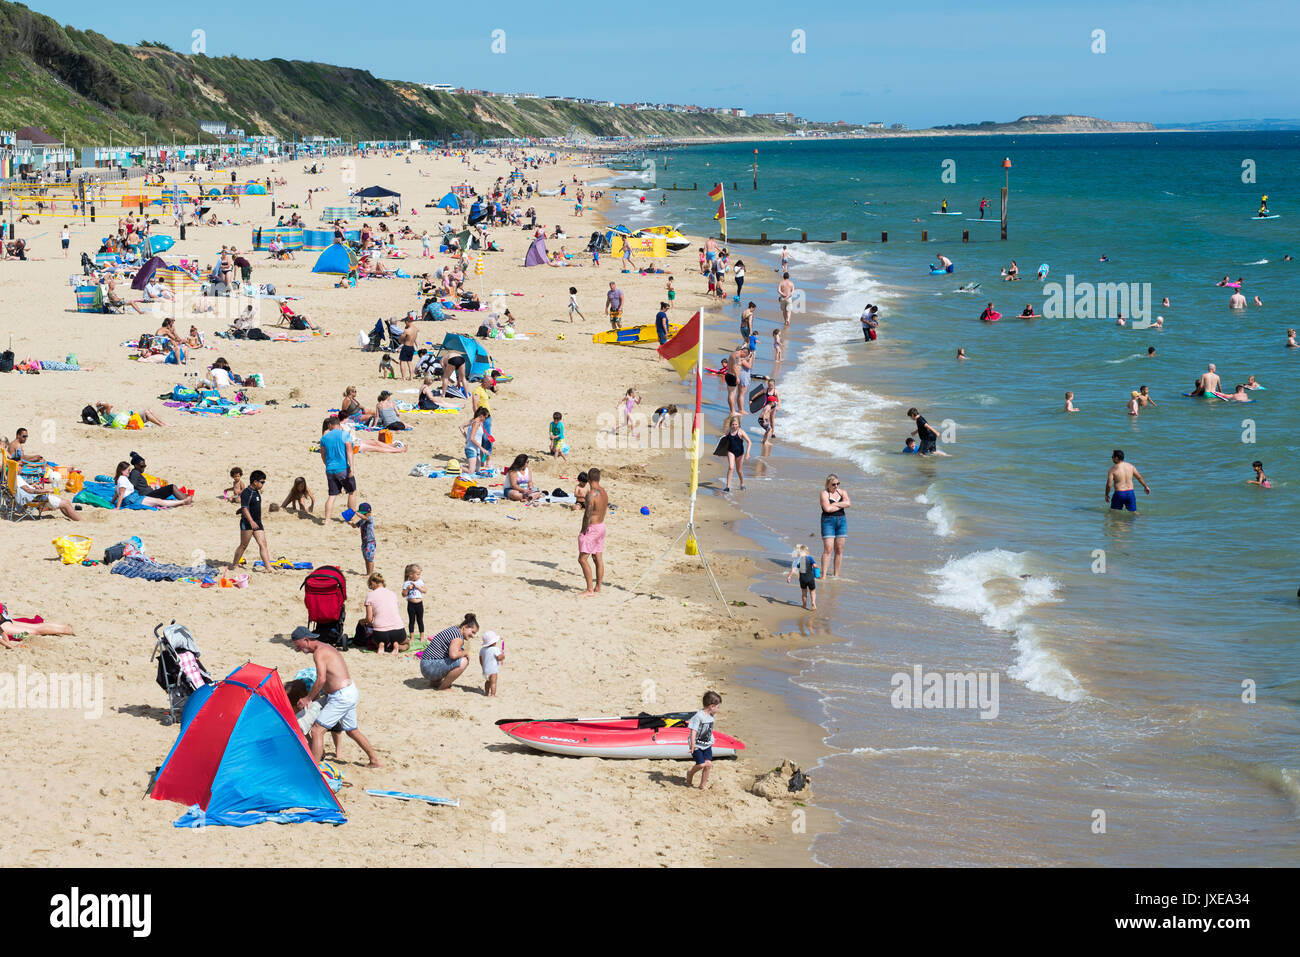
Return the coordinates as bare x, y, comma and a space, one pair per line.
639, 737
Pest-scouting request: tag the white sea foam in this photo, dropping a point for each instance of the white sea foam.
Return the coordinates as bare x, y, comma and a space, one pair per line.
1258, 262
937, 515
964, 584
893, 750
826, 415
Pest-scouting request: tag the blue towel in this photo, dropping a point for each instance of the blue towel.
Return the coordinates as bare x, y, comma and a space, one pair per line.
106, 490
138, 566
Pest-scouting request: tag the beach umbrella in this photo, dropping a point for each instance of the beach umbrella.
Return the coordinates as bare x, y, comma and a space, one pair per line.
146, 272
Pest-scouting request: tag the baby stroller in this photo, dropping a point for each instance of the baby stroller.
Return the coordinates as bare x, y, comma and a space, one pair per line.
325, 595
180, 673
87, 265
382, 338
599, 242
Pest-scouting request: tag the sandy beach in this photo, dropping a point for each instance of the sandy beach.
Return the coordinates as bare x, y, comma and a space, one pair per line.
515, 567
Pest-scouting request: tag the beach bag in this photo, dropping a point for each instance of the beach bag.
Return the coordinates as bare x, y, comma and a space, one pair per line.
7, 361
135, 422
298, 323
120, 420
476, 494
89, 415
72, 549
460, 486
257, 334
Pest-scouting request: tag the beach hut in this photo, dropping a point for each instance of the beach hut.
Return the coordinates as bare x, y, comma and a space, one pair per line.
240, 758
479, 362
536, 255
448, 202
337, 260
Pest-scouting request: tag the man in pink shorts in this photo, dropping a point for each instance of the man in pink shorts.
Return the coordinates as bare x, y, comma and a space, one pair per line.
591, 539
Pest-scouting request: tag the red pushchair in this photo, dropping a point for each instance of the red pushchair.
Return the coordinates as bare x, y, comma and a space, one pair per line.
325, 592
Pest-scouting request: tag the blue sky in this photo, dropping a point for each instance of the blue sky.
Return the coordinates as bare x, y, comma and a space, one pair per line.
920, 64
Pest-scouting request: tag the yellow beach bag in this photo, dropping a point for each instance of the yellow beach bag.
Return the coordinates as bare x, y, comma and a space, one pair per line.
72, 549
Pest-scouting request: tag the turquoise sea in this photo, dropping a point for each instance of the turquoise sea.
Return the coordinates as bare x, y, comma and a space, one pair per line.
1148, 669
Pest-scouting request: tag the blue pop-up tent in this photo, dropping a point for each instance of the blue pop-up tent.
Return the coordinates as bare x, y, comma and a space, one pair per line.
450, 201
479, 362
241, 759
336, 260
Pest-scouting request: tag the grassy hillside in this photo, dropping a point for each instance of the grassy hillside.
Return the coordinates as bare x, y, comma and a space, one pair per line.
62, 79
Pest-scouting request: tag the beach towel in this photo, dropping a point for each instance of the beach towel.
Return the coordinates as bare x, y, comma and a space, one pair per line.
100, 495
140, 566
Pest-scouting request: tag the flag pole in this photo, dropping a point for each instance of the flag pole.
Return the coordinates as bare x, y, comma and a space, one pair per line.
692, 543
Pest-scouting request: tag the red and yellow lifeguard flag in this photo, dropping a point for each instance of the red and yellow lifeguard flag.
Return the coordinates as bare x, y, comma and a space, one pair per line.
683, 350
720, 195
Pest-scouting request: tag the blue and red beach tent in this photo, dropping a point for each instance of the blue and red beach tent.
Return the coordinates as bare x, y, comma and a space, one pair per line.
241, 759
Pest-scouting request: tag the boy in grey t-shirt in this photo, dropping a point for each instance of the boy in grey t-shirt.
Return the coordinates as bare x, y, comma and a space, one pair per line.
701, 738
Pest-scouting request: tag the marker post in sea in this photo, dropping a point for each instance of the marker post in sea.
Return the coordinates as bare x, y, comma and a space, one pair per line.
1006, 190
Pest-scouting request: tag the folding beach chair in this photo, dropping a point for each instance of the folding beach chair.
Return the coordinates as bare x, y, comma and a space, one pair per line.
10, 507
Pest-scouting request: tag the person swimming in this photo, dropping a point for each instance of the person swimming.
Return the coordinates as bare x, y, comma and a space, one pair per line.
1069, 403
1260, 478
1028, 312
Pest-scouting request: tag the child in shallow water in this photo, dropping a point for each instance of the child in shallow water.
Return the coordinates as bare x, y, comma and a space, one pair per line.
1260, 478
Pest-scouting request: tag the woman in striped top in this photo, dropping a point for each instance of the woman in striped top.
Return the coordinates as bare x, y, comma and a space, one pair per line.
445, 658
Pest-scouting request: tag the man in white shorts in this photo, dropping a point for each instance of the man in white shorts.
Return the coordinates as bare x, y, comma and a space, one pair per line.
333, 678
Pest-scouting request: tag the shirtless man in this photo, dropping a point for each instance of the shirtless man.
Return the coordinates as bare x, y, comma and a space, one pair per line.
333, 679
1209, 381
15, 448
1144, 398
944, 261
1237, 301
406, 357
785, 295
591, 539
1121, 476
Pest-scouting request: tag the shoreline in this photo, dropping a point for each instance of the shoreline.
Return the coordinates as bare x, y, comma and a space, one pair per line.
764, 642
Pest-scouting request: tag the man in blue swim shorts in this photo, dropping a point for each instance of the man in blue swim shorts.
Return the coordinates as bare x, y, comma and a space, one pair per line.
1120, 477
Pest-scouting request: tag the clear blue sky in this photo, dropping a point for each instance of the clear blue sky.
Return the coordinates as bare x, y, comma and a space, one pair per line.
921, 64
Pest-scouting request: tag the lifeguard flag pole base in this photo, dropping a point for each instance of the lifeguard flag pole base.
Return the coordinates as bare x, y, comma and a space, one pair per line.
690, 535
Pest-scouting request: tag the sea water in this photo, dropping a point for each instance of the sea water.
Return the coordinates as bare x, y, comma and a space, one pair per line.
1149, 678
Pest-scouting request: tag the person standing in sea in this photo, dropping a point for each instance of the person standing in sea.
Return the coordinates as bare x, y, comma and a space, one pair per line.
834, 524
1121, 476
784, 296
